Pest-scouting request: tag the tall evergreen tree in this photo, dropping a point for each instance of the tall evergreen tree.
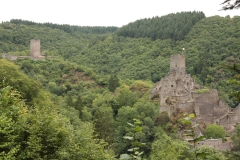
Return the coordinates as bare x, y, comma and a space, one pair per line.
113, 83
69, 100
78, 105
104, 125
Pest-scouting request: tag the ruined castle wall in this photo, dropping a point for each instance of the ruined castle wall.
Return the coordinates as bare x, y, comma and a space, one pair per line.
216, 143
4, 55
40, 58
183, 98
220, 111
204, 111
9, 57
233, 119
210, 98
23, 57
164, 92
224, 120
35, 48
222, 104
189, 82
34, 52
180, 89
165, 108
168, 87
186, 107
12, 58
236, 111
154, 93
210, 142
225, 146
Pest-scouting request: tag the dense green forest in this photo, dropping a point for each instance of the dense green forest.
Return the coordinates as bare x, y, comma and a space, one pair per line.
78, 105
173, 26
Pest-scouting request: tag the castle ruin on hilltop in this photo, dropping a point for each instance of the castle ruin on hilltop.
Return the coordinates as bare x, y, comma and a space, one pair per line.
178, 91
35, 48
35, 53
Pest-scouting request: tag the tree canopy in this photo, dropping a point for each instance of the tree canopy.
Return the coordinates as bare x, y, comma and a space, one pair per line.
171, 26
214, 131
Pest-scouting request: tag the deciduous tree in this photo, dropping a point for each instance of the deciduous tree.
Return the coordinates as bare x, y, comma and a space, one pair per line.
214, 131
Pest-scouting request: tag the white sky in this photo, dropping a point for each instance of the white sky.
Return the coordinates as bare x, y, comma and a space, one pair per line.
103, 12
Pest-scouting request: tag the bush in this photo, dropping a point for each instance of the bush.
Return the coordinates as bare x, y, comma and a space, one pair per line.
214, 131
162, 119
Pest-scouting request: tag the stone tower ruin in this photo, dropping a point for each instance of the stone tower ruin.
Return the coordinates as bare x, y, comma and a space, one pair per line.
175, 86
178, 91
177, 64
34, 53
35, 48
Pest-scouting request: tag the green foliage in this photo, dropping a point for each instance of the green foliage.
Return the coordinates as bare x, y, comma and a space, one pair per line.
238, 129
10, 105
78, 105
67, 28
43, 131
236, 139
172, 26
113, 83
232, 155
213, 154
235, 80
104, 124
125, 97
214, 131
162, 119
28, 88
135, 144
204, 90
168, 149
190, 132
125, 115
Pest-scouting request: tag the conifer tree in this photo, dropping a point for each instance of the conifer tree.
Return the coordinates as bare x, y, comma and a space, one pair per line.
69, 100
113, 83
78, 105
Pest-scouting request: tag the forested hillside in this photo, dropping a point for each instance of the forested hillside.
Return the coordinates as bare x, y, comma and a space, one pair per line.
100, 80
38, 128
211, 42
55, 39
68, 28
173, 26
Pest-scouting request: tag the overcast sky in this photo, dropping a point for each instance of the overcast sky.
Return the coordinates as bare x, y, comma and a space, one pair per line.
103, 12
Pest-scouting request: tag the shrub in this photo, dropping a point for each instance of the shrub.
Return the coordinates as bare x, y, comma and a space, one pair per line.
162, 119
214, 131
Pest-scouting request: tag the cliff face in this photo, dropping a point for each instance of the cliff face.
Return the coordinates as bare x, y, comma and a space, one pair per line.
177, 90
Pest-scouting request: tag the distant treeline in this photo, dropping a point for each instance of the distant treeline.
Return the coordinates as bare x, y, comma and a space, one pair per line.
68, 28
172, 26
